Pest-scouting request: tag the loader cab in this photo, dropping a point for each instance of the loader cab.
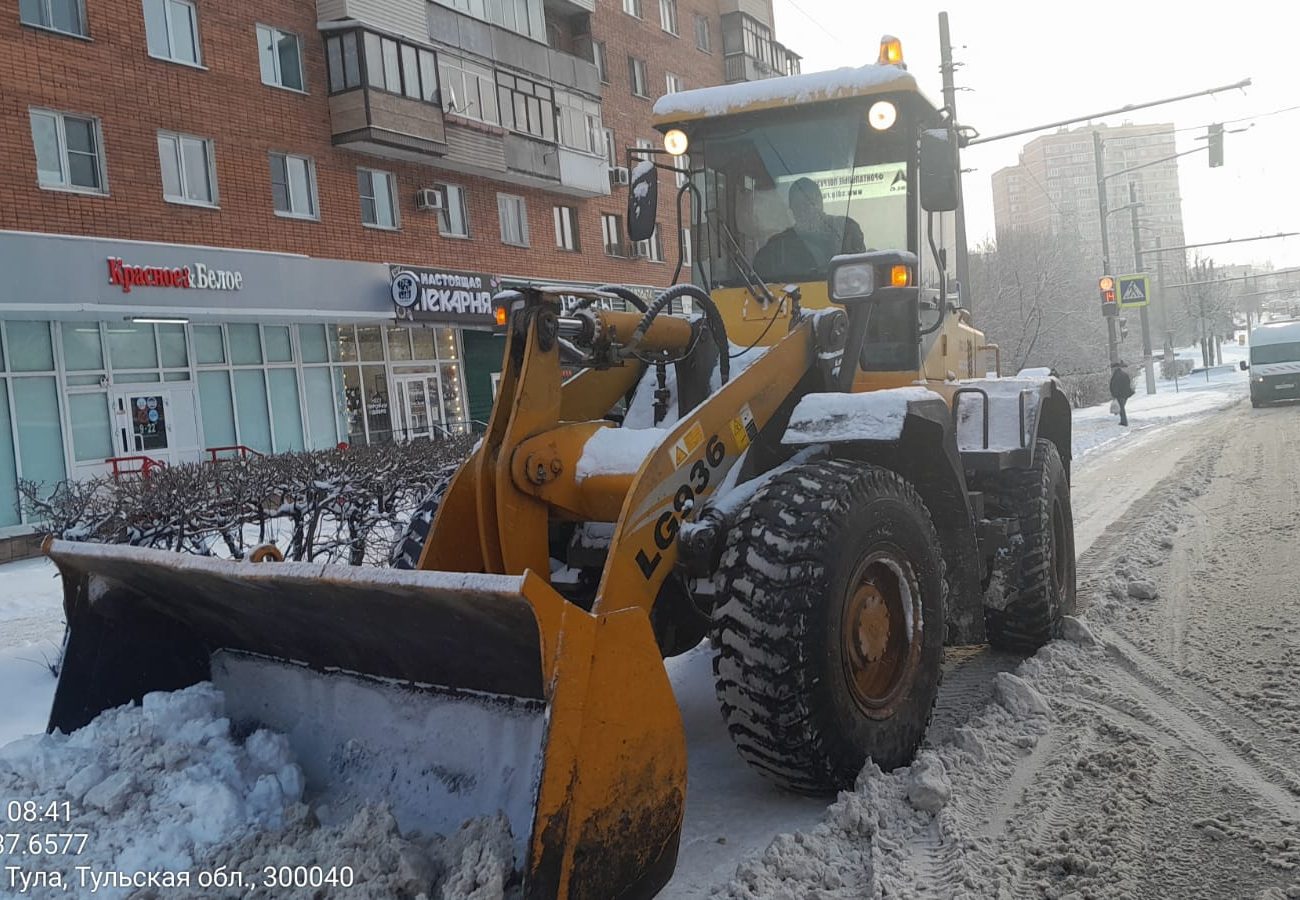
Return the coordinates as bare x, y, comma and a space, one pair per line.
778, 177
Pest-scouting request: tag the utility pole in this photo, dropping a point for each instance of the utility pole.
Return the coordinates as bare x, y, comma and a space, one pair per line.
1137, 267
947, 69
1111, 350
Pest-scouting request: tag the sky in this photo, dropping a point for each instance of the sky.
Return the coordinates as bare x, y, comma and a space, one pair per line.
1024, 64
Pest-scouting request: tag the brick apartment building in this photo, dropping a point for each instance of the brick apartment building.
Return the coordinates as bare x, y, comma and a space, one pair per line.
207, 209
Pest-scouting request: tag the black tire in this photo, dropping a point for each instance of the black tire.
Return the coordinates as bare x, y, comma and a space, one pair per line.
802, 552
407, 550
1041, 589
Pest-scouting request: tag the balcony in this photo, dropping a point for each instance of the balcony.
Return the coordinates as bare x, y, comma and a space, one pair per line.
384, 97
744, 67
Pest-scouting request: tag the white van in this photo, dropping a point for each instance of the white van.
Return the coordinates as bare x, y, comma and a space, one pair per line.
1275, 362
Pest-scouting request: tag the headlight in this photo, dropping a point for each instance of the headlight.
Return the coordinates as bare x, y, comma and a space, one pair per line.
853, 281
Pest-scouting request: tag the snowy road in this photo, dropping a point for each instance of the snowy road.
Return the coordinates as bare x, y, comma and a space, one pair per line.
1163, 761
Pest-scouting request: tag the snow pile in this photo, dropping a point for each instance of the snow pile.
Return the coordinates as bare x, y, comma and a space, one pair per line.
166, 787
617, 451
790, 91
872, 416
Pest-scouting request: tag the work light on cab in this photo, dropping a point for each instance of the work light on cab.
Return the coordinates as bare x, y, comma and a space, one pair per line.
676, 142
882, 115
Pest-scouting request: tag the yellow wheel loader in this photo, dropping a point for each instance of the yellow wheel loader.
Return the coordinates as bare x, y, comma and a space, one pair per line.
798, 455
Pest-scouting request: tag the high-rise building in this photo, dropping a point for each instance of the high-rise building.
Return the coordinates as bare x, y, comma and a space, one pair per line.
1053, 190
277, 225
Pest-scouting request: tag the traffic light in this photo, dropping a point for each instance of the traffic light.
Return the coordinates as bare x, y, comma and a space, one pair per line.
1109, 306
1215, 139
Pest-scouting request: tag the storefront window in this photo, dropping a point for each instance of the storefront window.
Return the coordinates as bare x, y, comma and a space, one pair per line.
422, 338
171, 340
176, 376
8, 466
321, 412
131, 346
245, 345
354, 403
254, 417
91, 438
399, 343
40, 438
30, 347
311, 343
379, 419
446, 343
346, 344
278, 348
82, 349
452, 402
218, 410
368, 339
208, 345
285, 408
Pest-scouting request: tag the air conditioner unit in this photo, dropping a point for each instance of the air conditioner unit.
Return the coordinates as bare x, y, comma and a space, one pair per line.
620, 175
428, 198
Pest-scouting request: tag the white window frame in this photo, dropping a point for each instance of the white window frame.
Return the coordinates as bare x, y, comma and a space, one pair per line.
579, 121
49, 15
197, 62
64, 166
652, 248
601, 60
674, 84
513, 203
606, 220
453, 74
566, 229
312, 195
632, 8
706, 45
210, 153
391, 181
637, 72
453, 193
275, 35
688, 257
610, 146
668, 16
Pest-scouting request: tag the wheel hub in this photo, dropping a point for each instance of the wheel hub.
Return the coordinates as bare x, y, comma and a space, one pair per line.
880, 636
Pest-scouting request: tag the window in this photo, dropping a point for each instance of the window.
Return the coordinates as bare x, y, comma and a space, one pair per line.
686, 247
400, 68
632, 7
342, 61
378, 198
293, 185
526, 106
580, 127
611, 233
682, 167
566, 228
69, 152
280, 58
611, 148
514, 219
652, 248
57, 15
188, 173
668, 15
674, 83
453, 218
468, 89
172, 30
703, 39
636, 76
521, 16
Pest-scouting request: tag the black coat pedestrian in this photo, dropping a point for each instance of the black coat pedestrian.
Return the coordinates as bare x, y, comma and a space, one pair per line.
1121, 386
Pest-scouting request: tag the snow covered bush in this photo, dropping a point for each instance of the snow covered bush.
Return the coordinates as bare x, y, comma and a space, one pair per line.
344, 506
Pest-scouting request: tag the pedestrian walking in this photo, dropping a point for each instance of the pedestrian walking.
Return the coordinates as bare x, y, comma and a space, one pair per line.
1121, 388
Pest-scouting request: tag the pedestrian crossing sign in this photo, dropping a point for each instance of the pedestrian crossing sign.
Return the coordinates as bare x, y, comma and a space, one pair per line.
1134, 291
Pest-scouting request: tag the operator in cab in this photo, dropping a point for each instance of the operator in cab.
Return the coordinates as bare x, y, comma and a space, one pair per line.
810, 243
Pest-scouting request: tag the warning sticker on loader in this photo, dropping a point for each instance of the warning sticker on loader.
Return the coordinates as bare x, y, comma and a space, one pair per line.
743, 428
687, 444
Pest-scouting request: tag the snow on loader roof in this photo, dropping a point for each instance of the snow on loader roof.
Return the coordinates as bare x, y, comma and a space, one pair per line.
772, 93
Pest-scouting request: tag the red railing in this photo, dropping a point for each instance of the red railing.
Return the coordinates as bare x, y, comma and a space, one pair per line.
142, 466
239, 451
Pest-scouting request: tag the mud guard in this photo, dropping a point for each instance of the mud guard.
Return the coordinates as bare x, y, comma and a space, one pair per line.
999, 421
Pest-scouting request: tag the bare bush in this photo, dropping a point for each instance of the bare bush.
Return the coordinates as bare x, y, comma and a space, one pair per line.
345, 506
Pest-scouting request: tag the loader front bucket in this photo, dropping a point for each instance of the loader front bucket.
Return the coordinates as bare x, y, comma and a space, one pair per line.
445, 695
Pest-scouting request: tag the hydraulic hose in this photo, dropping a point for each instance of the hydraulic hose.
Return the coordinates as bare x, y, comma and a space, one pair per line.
717, 328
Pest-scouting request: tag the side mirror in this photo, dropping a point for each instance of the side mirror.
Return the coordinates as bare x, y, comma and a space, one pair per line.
1245, 366
642, 201
939, 170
